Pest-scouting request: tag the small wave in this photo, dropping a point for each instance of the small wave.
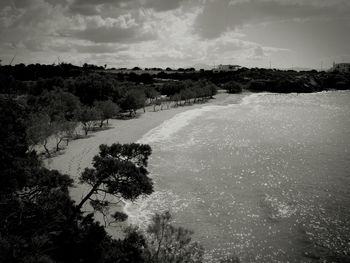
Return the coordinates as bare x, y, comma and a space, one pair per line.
140, 212
170, 127
253, 98
277, 209
181, 120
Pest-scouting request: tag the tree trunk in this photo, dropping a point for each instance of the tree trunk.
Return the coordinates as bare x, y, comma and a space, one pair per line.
58, 144
87, 197
86, 130
160, 242
45, 147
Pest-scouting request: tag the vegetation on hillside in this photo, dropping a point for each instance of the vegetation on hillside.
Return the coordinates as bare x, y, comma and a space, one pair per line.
39, 222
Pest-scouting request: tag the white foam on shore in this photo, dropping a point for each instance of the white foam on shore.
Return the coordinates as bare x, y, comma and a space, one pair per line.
141, 211
252, 98
170, 127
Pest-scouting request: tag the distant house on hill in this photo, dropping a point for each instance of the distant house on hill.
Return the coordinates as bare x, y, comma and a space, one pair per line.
226, 68
341, 67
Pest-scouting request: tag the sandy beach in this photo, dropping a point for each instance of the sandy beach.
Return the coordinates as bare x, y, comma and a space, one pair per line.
79, 154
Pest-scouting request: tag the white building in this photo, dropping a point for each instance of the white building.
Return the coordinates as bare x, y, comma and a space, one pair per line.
341, 67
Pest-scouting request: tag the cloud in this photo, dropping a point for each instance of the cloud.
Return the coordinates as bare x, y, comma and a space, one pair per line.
218, 17
111, 34
98, 49
97, 7
124, 29
257, 53
175, 32
161, 5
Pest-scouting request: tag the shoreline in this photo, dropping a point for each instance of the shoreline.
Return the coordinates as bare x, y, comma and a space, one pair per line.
79, 154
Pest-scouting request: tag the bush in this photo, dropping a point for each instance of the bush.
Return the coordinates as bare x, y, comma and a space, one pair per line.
232, 87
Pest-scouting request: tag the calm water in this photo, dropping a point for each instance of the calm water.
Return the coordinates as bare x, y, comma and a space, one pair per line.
266, 179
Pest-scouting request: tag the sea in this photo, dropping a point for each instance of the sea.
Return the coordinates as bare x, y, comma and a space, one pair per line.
263, 177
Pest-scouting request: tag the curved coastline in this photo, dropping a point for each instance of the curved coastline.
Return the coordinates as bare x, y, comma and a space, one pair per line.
169, 128
79, 154
269, 162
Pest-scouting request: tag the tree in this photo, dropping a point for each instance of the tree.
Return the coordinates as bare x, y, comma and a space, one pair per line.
167, 103
59, 105
145, 78
63, 130
233, 87
156, 103
212, 88
32, 199
88, 116
133, 100
93, 87
167, 243
151, 94
108, 110
120, 171
176, 98
39, 130
131, 249
186, 95
13, 146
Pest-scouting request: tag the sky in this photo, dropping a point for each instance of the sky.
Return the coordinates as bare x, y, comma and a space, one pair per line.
176, 33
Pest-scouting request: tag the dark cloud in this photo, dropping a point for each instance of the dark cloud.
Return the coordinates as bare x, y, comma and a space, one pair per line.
161, 5
5, 3
112, 34
99, 49
95, 7
310, 37
224, 15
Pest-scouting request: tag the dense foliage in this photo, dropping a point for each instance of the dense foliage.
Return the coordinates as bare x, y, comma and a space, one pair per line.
39, 222
167, 243
119, 170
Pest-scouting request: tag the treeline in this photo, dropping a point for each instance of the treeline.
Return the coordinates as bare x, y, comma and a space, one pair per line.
35, 71
39, 222
271, 80
254, 79
59, 108
180, 93
277, 81
56, 115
